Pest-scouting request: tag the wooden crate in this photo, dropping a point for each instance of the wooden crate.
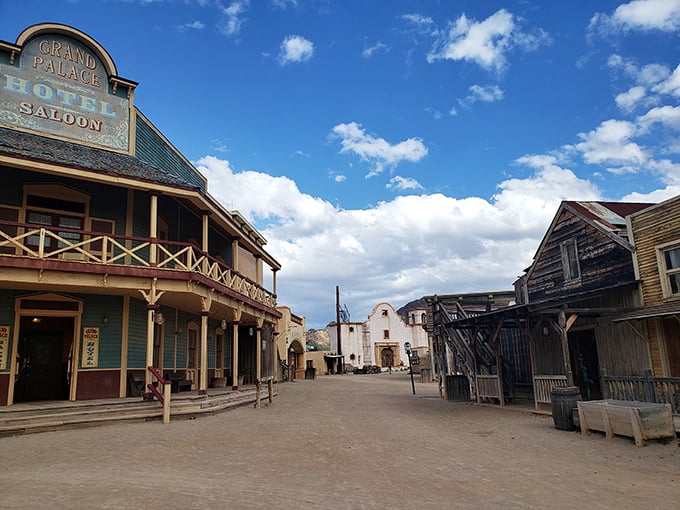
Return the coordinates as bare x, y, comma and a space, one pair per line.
640, 420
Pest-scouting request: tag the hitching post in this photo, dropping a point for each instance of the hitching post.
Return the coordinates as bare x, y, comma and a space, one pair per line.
407, 348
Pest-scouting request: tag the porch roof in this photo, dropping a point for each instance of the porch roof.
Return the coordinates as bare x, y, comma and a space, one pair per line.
651, 311
49, 150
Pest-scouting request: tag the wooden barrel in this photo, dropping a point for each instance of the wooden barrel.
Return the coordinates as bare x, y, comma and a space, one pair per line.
564, 400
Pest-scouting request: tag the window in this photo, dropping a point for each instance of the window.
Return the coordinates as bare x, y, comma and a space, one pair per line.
384, 313
570, 266
219, 349
192, 337
669, 270
386, 333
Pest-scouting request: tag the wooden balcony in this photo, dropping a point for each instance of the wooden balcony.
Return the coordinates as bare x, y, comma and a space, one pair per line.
105, 251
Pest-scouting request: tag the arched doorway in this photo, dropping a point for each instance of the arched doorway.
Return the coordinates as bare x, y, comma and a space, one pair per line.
387, 357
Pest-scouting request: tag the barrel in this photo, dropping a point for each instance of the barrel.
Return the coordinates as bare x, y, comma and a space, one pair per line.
564, 400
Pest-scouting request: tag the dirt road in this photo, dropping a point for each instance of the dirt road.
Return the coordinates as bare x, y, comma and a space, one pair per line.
341, 442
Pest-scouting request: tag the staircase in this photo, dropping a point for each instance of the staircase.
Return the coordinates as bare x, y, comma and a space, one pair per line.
476, 357
35, 417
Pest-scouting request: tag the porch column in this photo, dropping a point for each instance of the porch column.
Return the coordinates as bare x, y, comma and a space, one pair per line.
234, 356
234, 254
203, 381
204, 240
565, 348
153, 230
258, 270
150, 316
274, 281
258, 353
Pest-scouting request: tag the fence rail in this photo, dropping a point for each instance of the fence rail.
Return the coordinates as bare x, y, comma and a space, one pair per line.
646, 388
543, 385
32, 241
488, 386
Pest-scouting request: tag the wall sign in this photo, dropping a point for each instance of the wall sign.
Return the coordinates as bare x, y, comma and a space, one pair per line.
90, 357
62, 88
4, 346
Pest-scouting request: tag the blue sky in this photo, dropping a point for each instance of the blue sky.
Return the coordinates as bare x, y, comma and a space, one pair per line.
400, 148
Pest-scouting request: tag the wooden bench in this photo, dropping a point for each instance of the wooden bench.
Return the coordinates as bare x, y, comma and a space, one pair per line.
177, 382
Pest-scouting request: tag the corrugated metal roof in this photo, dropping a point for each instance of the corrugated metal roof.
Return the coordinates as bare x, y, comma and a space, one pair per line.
609, 214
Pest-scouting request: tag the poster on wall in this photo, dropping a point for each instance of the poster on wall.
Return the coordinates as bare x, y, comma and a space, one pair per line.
90, 358
4, 345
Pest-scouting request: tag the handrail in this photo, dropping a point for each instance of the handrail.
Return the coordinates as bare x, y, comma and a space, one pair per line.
37, 241
164, 399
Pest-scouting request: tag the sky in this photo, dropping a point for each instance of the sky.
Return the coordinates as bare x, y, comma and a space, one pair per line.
399, 148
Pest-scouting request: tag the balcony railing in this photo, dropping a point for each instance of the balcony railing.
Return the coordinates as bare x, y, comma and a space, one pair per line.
57, 243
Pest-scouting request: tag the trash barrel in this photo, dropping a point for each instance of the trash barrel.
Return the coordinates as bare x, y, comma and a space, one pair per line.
563, 401
457, 388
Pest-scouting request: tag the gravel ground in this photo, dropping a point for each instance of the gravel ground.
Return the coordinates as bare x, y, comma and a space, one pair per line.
341, 442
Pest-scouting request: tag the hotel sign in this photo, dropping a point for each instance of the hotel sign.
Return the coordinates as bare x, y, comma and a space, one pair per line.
4, 346
62, 88
90, 357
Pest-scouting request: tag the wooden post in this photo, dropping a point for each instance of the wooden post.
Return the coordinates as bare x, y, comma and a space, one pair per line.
258, 391
565, 348
150, 316
203, 381
650, 394
270, 388
234, 356
166, 402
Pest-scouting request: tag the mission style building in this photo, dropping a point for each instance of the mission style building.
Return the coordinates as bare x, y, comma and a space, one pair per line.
113, 256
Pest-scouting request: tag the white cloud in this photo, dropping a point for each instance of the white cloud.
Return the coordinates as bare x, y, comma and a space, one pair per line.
196, 25
628, 100
295, 48
485, 43
609, 144
377, 151
645, 15
400, 249
666, 115
671, 85
370, 51
232, 20
403, 183
488, 94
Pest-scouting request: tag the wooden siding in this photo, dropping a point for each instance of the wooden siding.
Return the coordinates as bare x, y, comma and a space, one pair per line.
651, 228
137, 335
7, 319
94, 309
153, 149
603, 262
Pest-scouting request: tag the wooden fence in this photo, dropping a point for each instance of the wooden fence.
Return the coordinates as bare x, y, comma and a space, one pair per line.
646, 388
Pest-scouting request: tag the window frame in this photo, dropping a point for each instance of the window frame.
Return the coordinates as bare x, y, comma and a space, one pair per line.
569, 264
665, 274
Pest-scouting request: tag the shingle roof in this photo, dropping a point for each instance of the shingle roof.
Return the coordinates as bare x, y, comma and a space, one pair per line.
49, 150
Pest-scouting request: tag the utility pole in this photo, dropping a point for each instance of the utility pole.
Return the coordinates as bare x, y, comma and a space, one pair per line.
337, 325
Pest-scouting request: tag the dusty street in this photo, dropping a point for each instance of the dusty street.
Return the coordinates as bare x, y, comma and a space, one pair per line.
347, 442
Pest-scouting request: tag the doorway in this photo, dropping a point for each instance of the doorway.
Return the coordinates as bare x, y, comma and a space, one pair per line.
585, 363
387, 357
44, 354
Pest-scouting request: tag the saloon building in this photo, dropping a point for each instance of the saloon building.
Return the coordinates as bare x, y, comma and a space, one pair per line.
113, 256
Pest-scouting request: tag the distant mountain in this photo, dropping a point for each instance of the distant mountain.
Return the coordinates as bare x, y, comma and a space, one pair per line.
416, 303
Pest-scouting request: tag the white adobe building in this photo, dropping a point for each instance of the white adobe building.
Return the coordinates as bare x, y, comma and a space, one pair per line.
380, 339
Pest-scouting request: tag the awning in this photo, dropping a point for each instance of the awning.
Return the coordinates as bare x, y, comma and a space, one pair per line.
649, 312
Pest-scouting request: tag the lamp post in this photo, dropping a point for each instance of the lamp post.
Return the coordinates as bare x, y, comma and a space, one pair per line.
407, 348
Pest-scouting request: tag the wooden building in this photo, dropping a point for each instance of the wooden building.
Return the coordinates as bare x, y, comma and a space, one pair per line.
582, 277
114, 257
